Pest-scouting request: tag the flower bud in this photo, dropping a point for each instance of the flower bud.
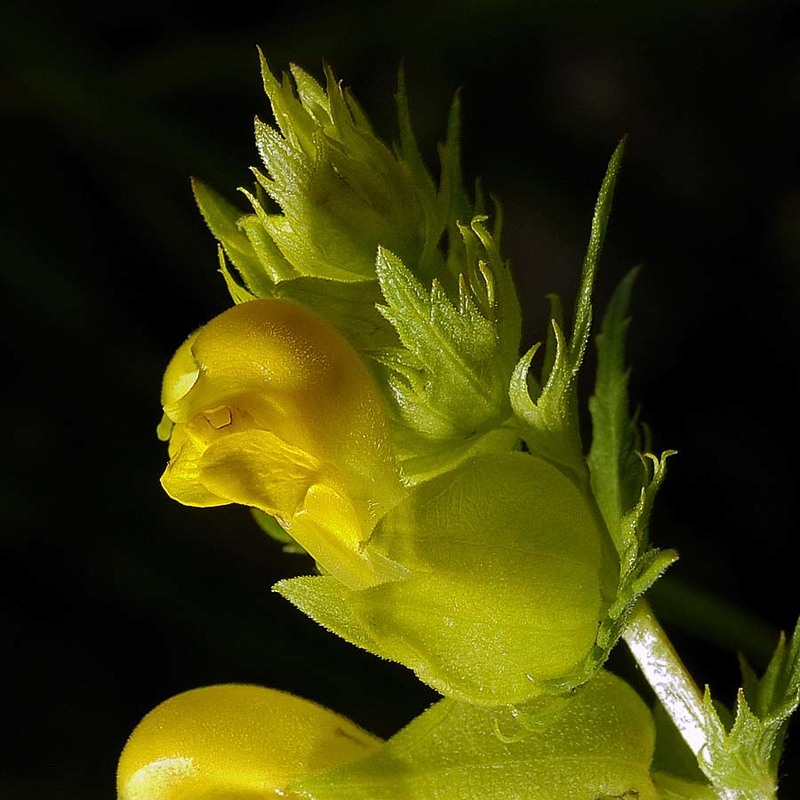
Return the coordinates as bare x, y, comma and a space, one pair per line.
272, 408
237, 742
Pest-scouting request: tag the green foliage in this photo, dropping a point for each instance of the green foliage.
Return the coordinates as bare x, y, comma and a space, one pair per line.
356, 231
672, 788
744, 756
617, 471
503, 579
225, 222
449, 378
548, 417
341, 190
331, 194
624, 481
597, 745
506, 582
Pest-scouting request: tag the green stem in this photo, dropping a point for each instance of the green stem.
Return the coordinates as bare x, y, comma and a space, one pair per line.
674, 687
667, 675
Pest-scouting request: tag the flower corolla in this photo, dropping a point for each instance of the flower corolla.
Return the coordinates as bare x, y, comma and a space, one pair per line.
269, 406
234, 741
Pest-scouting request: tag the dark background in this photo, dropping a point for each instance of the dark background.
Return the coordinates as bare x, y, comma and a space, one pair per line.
118, 597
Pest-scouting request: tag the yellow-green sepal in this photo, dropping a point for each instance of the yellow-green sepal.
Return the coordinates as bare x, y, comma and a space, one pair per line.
507, 582
598, 744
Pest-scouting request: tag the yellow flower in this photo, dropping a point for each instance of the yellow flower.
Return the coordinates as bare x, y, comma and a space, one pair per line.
234, 741
269, 406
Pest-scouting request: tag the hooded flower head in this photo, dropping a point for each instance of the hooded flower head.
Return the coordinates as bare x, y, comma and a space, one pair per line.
268, 406
234, 741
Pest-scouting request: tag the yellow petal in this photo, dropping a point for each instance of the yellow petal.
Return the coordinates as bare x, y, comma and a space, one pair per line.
289, 372
180, 377
331, 530
235, 742
181, 480
256, 468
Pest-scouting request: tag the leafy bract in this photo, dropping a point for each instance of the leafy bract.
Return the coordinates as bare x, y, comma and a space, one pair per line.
624, 481
617, 472
403, 266
549, 419
329, 194
744, 756
597, 745
449, 377
228, 225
